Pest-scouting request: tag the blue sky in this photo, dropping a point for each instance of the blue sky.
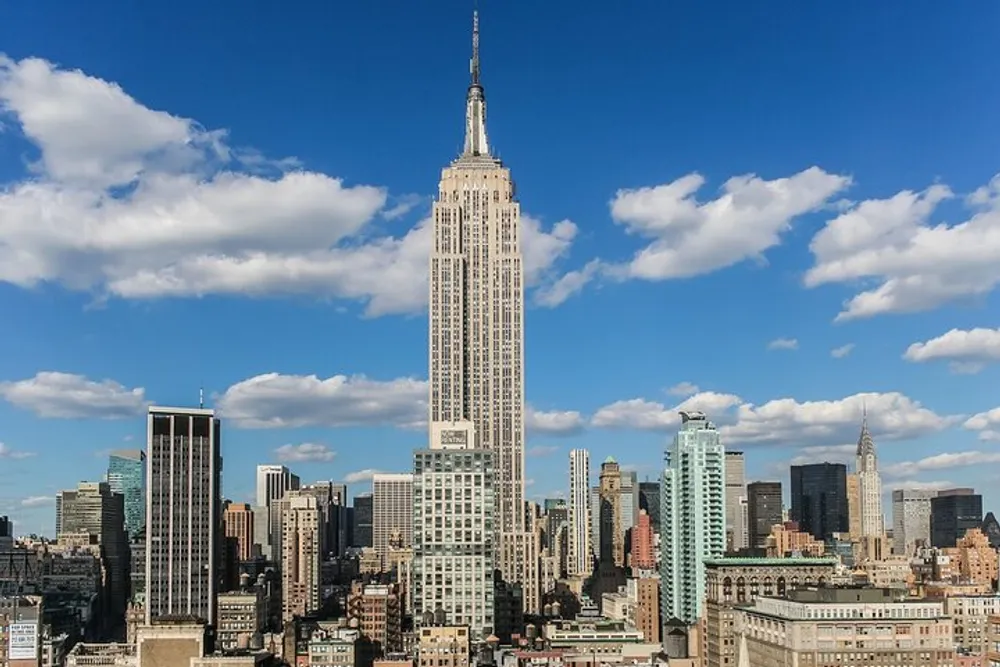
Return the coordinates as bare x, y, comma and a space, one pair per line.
776, 214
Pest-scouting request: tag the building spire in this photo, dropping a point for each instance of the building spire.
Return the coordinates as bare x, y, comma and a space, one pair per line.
866, 444
475, 102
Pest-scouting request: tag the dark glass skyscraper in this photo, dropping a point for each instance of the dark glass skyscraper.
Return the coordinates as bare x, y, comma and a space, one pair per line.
363, 517
763, 511
952, 513
819, 499
127, 476
649, 500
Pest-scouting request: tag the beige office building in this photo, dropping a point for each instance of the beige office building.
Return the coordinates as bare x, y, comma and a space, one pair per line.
300, 556
392, 512
731, 582
477, 324
834, 627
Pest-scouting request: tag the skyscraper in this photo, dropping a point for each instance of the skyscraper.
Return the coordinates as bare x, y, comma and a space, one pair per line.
763, 511
580, 560
869, 484
273, 483
911, 519
611, 535
301, 538
183, 512
453, 496
819, 499
953, 512
693, 520
361, 531
237, 522
736, 493
93, 508
392, 510
477, 323
127, 476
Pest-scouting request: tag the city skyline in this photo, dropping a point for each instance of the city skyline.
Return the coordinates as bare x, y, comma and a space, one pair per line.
317, 359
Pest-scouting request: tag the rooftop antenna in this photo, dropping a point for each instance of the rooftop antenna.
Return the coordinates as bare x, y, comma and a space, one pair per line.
201, 398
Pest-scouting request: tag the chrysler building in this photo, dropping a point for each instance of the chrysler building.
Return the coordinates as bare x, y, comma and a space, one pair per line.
477, 324
869, 484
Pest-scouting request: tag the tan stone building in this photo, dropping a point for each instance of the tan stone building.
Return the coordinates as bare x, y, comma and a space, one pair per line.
444, 646
970, 615
835, 627
647, 607
736, 581
975, 560
611, 537
237, 520
300, 556
786, 539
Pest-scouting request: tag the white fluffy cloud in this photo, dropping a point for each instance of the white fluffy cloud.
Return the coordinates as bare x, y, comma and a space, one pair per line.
683, 389
69, 396
915, 264
357, 476
273, 400
306, 451
783, 344
555, 422
891, 416
987, 423
132, 202
690, 238
9, 453
785, 421
842, 351
967, 351
642, 414
941, 462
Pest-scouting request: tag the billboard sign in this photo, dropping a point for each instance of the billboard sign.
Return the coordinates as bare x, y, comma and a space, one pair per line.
22, 641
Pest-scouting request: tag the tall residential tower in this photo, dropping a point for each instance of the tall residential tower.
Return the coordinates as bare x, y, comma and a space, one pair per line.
692, 524
477, 323
580, 561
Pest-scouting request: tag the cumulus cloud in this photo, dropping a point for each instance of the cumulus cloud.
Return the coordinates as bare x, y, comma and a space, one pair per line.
357, 476
8, 453
821, 454
683, 389
783, 344
842, 351
918, 485
943, 461
539, 451
69, 396
273, 400
784, 421
555, 422
968, 351
914, 263
304, 452
132, 202
987, 423
689, 238
646, 415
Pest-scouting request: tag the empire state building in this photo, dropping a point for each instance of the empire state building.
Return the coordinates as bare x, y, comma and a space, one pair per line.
477, 324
